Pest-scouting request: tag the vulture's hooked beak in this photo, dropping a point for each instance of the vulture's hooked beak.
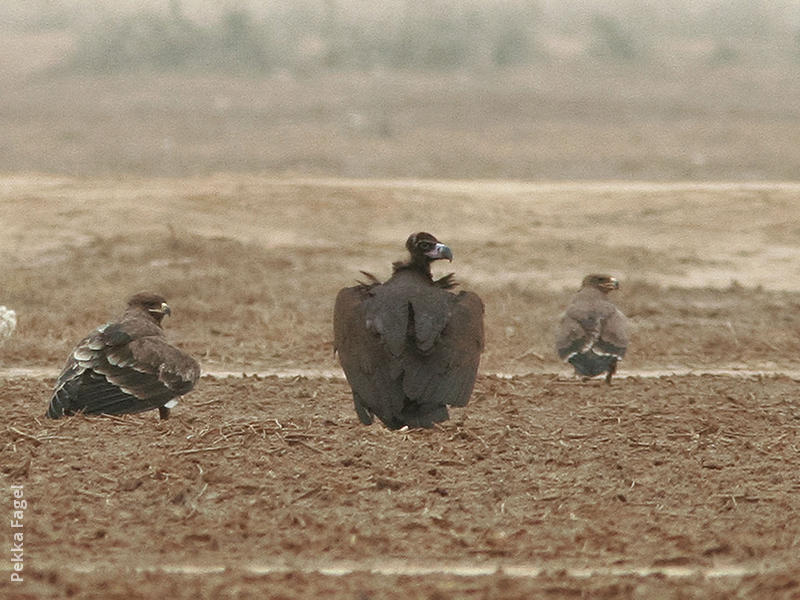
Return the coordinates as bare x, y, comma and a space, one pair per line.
440, 251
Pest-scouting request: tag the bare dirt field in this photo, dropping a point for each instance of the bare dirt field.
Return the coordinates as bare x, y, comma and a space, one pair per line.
676, 482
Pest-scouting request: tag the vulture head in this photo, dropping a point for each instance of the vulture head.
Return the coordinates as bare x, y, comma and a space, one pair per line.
424, 249
604, 283
151, 304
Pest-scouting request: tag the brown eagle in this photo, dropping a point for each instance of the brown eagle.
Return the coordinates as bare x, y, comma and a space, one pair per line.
593, 333
126, 366
409, 346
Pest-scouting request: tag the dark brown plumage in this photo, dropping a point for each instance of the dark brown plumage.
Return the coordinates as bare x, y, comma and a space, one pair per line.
126, 366
593, 333
409, 347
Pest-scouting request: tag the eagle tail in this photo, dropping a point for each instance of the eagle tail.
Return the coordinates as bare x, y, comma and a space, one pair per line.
93, 394
590, 364
59, 404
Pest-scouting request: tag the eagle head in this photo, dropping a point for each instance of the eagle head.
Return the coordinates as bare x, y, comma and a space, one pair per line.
602, 282
153, 304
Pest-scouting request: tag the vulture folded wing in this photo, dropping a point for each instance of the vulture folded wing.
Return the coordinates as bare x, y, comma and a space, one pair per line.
430, 312
364, 358
386, 314
446, 374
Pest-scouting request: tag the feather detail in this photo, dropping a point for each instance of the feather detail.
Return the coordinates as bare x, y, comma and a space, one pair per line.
126, 366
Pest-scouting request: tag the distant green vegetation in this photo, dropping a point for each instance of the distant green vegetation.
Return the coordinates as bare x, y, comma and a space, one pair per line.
428, 36
445, 35
610, 39
156, 42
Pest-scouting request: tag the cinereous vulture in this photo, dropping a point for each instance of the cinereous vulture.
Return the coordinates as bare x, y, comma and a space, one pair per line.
126, 366
409, 346
593, 333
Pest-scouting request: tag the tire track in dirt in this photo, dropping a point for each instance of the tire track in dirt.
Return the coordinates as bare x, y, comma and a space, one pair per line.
412, 569
44, 373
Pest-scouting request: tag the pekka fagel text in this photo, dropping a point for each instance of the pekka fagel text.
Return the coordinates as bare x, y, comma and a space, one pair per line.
17, 525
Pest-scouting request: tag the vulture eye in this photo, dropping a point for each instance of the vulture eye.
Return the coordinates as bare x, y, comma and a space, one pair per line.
425, 246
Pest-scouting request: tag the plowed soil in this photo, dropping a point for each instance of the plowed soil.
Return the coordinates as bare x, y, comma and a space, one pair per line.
673, 486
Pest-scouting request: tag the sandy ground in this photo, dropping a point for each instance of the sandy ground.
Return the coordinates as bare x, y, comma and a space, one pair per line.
658, 487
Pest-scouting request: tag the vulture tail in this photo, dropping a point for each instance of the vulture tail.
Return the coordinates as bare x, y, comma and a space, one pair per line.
421, 415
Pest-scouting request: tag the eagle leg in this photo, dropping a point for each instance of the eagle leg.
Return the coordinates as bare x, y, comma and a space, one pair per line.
163, 412
612, 368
